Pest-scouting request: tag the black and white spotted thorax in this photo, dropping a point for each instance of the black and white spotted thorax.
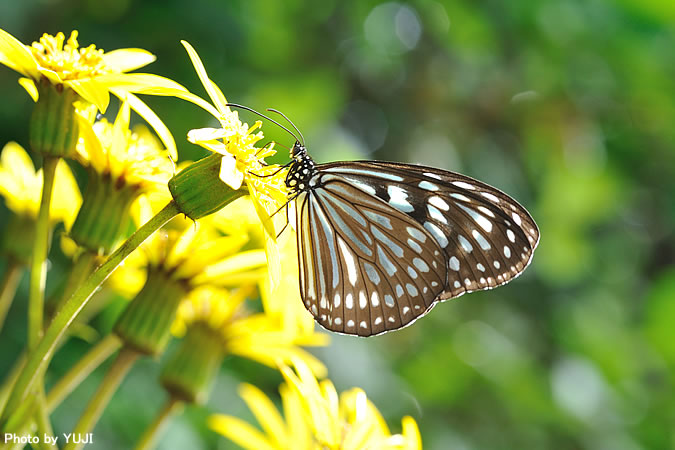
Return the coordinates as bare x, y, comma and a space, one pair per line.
302, 170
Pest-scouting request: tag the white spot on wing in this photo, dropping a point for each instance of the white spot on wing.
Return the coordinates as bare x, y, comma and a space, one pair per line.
466, 245
439, 202
391, 245
414, 245
389, 300
464, 198
417, 234
370, 173
349, 261
516, 219
454, 263
432, 175
363, 300
412, 290
372, 274
434, 213
463, 185
397, 199
428, 186
511, 235
507, 251
349, 301
480, 220
420, 264
379, 219
388, 266
490, 197
484, 244
436, 233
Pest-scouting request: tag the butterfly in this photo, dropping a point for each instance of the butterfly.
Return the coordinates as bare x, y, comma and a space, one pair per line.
381, 243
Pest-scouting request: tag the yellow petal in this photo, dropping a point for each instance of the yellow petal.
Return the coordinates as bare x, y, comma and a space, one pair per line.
411, 433
155, 122
92, 91
141, 83
206, 134
241, 262
263, 214
128, 59
240, 432
51, 75
118, 148
265, 413
273, 261
192, 98
16, 56
89, 148
299, 429
66, 199
214, 93
181, 247
229, 173
29, 85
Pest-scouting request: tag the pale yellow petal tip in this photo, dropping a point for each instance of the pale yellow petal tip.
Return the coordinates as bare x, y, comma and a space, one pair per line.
29, 85
229, 173
411, 432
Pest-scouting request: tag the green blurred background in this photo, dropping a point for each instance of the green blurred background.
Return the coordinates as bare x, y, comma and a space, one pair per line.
566, 105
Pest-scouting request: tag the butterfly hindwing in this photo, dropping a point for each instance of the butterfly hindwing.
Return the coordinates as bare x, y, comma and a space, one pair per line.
369, 267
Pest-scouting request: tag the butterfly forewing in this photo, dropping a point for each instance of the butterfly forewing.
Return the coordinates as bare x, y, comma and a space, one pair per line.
487, 237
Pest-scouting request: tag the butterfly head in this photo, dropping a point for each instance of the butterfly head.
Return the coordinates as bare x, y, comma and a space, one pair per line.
302, 169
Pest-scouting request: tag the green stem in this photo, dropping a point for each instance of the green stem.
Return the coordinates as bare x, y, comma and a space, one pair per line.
154, 430
83, 266
41, 416
39, 358
10, 281
81, 370
101, 398
38, 263
10, 379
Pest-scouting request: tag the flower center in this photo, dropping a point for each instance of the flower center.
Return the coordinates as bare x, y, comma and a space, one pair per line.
69, 61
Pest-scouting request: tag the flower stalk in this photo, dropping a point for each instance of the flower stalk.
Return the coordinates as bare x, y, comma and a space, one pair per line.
116, 373
81, 370
148, 441
38, 264
40, 357
8, 285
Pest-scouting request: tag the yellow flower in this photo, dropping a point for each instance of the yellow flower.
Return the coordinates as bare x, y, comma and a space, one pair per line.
130, 157
256, 336
242, 161
92, 73
21, 186
316, 418
197, 253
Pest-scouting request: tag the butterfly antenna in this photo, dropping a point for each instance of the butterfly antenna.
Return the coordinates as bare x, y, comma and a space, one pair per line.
234, 105
289, 121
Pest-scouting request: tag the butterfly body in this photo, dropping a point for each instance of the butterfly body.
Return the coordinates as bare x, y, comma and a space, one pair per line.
381, 243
